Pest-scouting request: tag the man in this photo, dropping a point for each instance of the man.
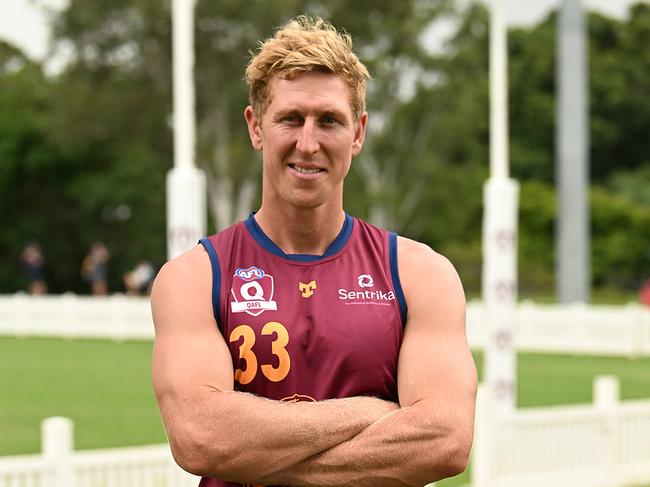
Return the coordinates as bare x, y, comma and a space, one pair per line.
303, 346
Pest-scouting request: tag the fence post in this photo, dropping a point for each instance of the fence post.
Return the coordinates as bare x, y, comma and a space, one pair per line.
483, 441
57, 447
606, 398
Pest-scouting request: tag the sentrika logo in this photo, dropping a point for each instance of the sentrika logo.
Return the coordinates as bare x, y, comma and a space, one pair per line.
252, 289
365, 280
365, 296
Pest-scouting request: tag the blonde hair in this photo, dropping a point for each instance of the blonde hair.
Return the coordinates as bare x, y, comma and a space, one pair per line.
304, 45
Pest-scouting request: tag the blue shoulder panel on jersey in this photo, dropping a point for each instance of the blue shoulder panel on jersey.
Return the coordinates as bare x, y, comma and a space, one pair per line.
394, 272
268, 244
216, 278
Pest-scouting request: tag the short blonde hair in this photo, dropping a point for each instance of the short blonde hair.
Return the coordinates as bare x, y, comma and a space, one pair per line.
304, 45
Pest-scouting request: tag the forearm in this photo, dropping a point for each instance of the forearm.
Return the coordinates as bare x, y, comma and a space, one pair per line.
408, 448
240, 437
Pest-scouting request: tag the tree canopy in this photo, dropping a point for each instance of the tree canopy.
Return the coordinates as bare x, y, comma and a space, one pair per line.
84, 154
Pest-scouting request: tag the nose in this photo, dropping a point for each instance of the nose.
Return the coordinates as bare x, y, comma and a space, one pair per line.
307, 142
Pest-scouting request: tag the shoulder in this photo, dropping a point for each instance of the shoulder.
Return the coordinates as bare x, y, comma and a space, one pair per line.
187, 274
427, 277
414, 255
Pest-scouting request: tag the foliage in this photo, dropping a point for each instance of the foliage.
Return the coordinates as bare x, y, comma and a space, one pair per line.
32, 171
84, 154
619, 105
620, 245
621, 240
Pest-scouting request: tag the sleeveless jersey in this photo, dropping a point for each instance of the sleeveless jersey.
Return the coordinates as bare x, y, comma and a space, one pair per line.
304, 327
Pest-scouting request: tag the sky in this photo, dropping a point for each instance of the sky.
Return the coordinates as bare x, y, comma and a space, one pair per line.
23, 22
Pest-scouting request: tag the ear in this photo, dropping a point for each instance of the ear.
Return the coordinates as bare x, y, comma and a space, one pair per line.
359, 134
254, 128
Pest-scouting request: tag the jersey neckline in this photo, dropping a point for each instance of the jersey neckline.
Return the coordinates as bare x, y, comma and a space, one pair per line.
262, 239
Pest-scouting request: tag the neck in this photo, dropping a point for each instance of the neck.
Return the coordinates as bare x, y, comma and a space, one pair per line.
301, 231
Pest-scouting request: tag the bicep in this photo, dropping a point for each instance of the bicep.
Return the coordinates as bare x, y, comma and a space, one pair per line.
435, 361
190, 356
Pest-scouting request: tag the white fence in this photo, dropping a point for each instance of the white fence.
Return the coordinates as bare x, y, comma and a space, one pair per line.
576, 328
116, 317
60, 466
606, 444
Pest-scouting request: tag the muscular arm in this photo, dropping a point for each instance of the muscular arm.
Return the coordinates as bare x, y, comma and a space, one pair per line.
213, 430
430, 437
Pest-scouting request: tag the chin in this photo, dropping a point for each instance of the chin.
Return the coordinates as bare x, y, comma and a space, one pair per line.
306, 202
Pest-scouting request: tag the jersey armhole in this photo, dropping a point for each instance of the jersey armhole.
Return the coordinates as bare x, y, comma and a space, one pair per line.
216, 278
394, 274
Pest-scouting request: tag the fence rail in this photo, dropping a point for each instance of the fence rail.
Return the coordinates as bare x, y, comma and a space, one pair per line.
575, 328
572, 328
60, 466
606, 444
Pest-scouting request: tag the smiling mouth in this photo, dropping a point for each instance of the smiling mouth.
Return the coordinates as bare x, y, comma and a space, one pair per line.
305, 170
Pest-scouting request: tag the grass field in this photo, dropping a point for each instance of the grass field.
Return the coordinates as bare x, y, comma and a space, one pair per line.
105, 388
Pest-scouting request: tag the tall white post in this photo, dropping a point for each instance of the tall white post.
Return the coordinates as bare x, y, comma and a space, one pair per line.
57, 448
500, 197
186, 185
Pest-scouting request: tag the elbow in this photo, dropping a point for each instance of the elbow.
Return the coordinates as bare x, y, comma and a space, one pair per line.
199, 454
189, 452
451, 459
455, 458
195, 454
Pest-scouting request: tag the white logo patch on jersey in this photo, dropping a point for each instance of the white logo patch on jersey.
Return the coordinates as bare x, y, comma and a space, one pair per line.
252, 290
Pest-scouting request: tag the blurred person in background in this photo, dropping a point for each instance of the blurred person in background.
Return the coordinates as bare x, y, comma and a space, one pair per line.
644, 293
304, 346
33, 263
94, 269
138, 281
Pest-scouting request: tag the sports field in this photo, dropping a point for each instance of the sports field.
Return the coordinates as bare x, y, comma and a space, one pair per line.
105, 388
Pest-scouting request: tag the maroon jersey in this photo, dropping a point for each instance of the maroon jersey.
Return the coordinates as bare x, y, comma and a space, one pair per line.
305, 327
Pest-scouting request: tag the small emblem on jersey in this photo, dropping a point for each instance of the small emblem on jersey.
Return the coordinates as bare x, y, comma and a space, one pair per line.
365, 280
298, 398
252, 290
307, 289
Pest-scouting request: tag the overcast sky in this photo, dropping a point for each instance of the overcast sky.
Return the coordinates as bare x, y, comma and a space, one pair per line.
23, 23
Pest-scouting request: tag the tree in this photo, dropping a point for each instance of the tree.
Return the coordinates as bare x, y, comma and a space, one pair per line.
32, 172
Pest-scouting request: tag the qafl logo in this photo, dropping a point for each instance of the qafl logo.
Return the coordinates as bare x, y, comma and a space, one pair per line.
252, 291
365, 280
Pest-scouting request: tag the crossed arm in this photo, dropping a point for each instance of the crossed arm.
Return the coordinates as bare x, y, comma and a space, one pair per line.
217, 432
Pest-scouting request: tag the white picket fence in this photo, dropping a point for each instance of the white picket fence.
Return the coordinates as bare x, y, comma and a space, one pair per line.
606, 444
575, 328
60, 466
115, 317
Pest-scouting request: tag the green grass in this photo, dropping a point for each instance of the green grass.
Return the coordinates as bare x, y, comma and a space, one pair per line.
105, 388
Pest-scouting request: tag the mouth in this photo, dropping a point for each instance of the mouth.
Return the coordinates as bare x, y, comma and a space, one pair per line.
306, 169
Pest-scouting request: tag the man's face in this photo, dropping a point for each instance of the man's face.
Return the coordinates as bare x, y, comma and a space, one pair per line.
308, 136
